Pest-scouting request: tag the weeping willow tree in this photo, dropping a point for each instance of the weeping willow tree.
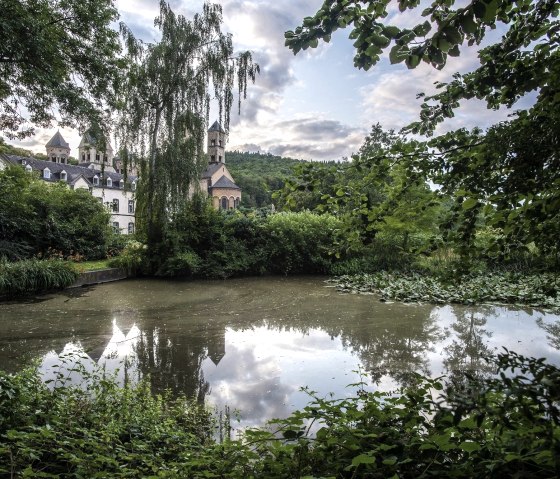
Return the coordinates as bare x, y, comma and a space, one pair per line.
164, 109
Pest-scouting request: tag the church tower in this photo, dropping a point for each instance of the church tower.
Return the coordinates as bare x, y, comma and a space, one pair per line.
89, 152
216, 143
58, 150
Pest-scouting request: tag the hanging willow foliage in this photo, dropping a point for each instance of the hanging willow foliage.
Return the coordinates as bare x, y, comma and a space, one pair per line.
165, 103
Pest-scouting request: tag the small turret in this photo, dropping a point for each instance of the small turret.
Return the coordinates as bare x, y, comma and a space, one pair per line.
58, 150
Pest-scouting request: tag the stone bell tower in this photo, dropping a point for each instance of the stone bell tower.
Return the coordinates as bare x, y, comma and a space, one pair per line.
216, 143
58, 150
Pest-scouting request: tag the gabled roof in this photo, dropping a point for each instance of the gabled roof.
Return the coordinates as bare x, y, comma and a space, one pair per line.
225, 182
73, 172
58, 142
211, 169
216, 127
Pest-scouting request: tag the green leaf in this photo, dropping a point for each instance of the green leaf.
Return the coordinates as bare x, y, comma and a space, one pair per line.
468, 24
469, 203
423, 29
412, 61
398, 54
363, 459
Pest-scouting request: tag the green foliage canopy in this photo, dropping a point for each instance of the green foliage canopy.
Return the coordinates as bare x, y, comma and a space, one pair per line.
56, 56
508, 177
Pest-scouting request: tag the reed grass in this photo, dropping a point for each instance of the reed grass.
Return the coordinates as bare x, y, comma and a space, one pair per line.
33, 276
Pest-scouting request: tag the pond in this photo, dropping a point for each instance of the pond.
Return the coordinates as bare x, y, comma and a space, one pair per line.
253, 343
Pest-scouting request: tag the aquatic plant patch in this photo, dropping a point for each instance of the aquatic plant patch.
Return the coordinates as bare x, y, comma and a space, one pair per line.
536, 290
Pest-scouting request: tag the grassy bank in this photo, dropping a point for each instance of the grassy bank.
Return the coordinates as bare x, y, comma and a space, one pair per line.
537, 290
509, 428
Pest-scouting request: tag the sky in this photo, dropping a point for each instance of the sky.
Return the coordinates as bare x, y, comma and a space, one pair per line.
316, 105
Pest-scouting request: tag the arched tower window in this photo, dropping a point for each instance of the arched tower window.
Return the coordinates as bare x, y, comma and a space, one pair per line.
224, 203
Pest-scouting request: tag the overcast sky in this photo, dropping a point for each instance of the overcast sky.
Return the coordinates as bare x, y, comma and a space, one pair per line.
316, 105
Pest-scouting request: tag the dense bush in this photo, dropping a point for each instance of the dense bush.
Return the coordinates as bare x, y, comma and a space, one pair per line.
33, 275
302, 242
49, 220
215, 244
507, 426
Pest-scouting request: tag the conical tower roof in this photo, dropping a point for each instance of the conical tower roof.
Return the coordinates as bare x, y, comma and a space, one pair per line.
57, 141
216, 127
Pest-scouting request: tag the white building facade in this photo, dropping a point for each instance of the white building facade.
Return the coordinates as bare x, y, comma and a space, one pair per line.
95, 174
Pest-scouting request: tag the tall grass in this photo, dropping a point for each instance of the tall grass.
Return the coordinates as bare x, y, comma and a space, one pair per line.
33, 276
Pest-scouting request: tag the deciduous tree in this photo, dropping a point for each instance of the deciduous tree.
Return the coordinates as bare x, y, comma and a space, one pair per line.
56, 56
165, 101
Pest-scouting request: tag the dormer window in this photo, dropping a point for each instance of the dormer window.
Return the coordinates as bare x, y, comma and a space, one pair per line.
121, 184
96, 180
63, 176
109, 182
47, 174
83, 157
28, 169
133, 186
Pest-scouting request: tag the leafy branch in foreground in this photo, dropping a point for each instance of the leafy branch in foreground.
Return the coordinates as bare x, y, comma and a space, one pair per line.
526, 58
504, 426
56, 57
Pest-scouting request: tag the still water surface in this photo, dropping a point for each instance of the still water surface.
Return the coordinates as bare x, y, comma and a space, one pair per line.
253, 343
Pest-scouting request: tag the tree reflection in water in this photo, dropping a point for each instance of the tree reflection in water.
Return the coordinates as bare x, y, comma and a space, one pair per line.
174, 362
552, 332
468, 351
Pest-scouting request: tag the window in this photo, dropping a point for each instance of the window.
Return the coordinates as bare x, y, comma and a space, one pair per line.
121, 184
116, 227
131, 206
28, 168
212, 158
88, 156
236, 203
97, 158
63, 176
224, 204
130, 228
83, 157
47, 174
115, 206
220, 159
133, 186
105, 160
96, 180
53, 159
220, 142
109, 182
213, 142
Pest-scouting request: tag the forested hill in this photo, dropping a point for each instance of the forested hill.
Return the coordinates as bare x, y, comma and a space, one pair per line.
259, 175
